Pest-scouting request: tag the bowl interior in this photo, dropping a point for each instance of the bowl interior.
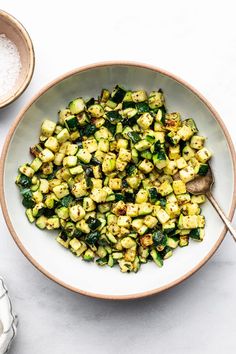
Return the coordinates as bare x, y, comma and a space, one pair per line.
57, 262
18, 35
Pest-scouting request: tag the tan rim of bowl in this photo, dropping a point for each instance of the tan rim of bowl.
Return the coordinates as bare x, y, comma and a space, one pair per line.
18, 34
3, 201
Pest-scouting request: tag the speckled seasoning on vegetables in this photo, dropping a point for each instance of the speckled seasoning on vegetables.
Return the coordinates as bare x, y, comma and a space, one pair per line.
103, 177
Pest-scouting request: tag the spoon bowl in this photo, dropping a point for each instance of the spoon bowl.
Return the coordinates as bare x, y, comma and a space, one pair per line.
201, 184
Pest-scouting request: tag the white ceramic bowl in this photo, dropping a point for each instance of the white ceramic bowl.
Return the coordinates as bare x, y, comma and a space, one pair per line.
8, 321
40, 247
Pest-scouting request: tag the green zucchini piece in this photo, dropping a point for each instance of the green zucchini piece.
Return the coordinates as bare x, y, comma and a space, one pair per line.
146, 154
118, 94
131, 170
197, 234
172, 138
89, 255
102, 261
166, 253
36, 149
159, 238
36, 164
88, 130
157, 258
129, 197
142, 145
133, 136
29, 215
183, 241
77, 106
111, 104
27, 200
172, 242
114, 116
82, 119
105, 94
142, 107
150, 139
157, 147
160, 160
119, 196
153, 195
71, 123
110, 262
41, 222
191, 124
128, 104
110, 127
24, 181
92, 237
203, 169
90, 102
162, 202
93, 223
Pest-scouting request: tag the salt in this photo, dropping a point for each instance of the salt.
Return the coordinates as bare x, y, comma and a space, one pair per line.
10, 65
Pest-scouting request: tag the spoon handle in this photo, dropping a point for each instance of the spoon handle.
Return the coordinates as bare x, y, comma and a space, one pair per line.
222, 215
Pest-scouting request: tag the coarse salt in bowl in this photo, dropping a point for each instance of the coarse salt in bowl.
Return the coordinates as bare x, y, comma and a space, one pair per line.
16, 59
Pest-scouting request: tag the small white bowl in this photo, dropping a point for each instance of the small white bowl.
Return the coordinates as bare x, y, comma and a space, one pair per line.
40, 247
15, 31
8, 320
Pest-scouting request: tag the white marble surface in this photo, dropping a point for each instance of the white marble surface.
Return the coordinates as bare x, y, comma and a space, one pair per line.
197, 41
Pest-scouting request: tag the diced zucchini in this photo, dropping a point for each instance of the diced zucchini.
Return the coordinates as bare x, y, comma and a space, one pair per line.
187, 174
190, 123
165, 188
109, 163
188, 222
150, 221
41, 222
199, 199
96, 111
162, 216
172, 242
197, 234
203, 155
36, 164
188, 153
139, 96
146, 166
29, 215
183, 241
111, 175
61, 190
48, 128
105, 94
145, 121
156, 99
197, 142
27, 171
70, 161
157, 258
76, 212
172, 122
181, 163
145, 209
179, 187
77, 106
142, 145
84, 155
160, 160
63, 136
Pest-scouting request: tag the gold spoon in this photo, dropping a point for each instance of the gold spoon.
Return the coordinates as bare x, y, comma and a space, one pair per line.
202, 185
